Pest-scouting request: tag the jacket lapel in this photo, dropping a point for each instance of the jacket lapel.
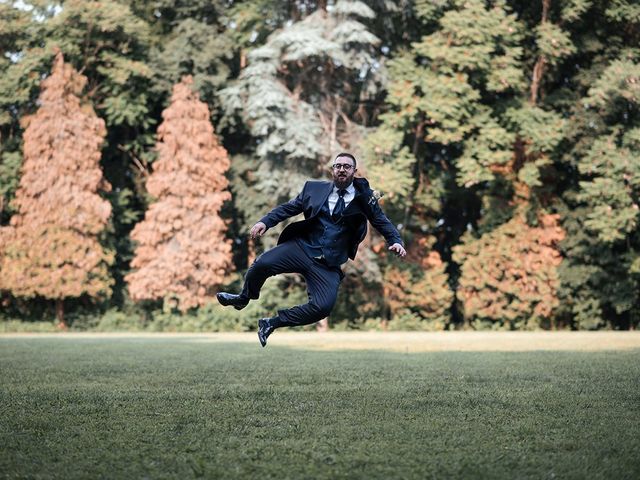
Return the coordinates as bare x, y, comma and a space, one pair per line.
355, 206
319, 199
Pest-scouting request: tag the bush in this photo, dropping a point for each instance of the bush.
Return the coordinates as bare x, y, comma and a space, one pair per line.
411, 322
277, 293
115, 320
17, 326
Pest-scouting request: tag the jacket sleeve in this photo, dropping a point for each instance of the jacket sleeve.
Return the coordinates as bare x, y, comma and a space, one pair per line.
382, 224
289, 209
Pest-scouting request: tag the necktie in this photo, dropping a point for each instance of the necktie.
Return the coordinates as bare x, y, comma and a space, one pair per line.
339, 208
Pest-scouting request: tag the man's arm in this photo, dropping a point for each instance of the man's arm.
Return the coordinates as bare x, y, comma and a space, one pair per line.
383, 225
289, 209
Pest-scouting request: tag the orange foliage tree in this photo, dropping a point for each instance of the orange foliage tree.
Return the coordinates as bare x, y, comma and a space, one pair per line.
417, 294
51, 247
509, 276
182, 254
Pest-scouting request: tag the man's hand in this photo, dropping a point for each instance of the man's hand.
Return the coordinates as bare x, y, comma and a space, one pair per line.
398, 249
258, 230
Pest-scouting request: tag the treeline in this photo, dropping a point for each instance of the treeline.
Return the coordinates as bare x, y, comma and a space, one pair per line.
140, 140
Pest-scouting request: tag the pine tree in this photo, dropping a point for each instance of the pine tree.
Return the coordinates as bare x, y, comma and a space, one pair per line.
52, 247
299, 97
110, 45
182, 254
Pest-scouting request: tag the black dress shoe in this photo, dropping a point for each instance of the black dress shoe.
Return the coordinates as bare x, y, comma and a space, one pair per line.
264, 330
237, 301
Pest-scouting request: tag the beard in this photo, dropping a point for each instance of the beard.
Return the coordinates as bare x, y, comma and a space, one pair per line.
342, 179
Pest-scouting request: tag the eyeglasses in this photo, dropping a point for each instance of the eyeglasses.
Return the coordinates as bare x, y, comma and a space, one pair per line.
345, 166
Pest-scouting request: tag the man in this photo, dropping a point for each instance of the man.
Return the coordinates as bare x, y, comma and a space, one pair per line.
335, 223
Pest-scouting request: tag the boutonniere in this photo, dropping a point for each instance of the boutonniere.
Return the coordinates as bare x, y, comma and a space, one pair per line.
375, 196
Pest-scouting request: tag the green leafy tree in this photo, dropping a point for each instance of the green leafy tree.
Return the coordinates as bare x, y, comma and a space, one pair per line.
17, 33
467, 119
601, 272
188, 39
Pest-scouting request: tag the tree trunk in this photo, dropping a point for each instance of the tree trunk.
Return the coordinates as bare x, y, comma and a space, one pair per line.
251, 251
323, 325
60, 314
419, 132
243, 58
538, 69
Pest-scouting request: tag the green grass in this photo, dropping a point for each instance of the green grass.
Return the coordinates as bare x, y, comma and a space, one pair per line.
178, 408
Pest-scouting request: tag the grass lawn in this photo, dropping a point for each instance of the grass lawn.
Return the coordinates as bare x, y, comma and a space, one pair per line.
180, 407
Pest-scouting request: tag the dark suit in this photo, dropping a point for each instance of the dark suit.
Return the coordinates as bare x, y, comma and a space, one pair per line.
322, 274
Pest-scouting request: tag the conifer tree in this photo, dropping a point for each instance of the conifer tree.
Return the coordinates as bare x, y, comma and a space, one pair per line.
299, 97
52, 246
303, 96
182, 254
110, 45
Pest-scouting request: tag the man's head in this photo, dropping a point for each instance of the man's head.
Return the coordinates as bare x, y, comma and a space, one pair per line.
343, 169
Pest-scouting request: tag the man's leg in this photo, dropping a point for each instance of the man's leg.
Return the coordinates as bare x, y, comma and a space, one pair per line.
285, 258
322, 285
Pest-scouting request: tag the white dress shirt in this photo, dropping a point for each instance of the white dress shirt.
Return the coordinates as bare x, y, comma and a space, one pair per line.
333, 197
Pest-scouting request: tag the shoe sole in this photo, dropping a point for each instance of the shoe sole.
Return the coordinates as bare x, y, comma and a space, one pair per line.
224, 303
263, 341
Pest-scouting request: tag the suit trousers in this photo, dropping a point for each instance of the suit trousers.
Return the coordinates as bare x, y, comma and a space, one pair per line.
322, 283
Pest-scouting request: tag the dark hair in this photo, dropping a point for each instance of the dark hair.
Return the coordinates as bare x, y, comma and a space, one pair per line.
348, 155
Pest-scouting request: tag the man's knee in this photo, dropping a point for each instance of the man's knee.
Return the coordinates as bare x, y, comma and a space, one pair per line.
261, 265
322, 309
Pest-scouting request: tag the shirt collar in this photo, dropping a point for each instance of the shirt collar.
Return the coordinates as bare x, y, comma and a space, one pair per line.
350, 189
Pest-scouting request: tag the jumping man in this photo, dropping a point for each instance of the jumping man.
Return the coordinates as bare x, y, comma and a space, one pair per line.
334, 225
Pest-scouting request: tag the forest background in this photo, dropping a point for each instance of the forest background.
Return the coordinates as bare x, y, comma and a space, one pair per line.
140, 140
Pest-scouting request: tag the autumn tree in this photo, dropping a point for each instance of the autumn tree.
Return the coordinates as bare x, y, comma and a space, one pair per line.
417, 293
509, 276
182, 254
110, 45
52, 247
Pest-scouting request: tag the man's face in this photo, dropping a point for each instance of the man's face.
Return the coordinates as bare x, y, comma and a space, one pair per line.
343, 171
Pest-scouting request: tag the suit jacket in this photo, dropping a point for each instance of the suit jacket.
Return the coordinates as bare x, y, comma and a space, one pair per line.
310, 200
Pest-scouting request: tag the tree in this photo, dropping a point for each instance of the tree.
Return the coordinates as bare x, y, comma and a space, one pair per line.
182, 254
417, 293
17, 35
188, 39
110, 46
52, 247
509, 276
602, 211
302, 97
